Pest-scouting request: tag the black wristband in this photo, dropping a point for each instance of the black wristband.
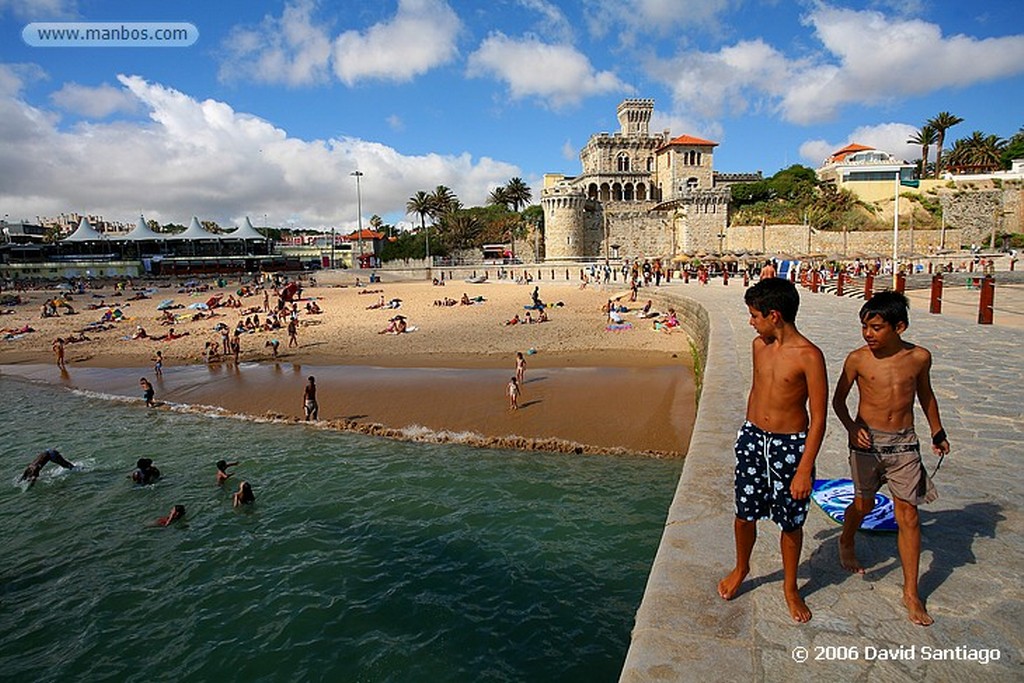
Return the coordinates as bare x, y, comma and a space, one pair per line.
939, 437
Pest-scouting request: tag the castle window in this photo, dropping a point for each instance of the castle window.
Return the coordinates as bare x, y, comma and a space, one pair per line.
691, 183
650, 164
605, 192
641, 192
627, 193
622, 163
617, 192
592, 191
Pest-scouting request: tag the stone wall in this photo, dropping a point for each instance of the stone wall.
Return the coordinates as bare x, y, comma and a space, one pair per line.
977, 211
798, 239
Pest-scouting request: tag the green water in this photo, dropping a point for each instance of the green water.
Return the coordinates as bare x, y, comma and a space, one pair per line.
362, 559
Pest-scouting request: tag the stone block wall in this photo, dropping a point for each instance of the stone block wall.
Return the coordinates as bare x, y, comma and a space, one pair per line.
794, 239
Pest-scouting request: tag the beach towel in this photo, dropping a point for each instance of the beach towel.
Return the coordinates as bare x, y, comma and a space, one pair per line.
165, 304
618, 327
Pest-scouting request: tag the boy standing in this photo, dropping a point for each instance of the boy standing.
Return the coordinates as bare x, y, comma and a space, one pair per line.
779, 441
889, 372
513, 394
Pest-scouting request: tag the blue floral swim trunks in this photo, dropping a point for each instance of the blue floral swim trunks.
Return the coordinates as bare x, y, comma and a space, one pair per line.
765, 466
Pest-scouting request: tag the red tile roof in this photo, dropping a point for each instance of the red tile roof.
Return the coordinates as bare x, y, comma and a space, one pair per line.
367, 235
847, 151
690, 140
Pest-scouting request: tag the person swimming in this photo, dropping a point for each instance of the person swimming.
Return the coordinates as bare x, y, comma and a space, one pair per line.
244, 495
145, 472
222, 471
177, 512
31, 472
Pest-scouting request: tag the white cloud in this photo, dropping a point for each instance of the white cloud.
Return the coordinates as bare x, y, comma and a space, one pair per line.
14, 77
632, 19
97, 103
865, 58
888, 137
557, 75
204, 158
293, 49
40, 10
418, 38
395, 122
553, 24
569, 150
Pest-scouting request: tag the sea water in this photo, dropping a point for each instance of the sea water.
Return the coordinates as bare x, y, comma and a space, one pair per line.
362, 559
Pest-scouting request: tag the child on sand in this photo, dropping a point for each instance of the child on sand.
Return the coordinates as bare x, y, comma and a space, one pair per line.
889, 372
520, 367
779, 441
513, 394
58, 351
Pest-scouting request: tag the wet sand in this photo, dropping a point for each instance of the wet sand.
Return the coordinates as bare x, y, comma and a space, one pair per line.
586, 388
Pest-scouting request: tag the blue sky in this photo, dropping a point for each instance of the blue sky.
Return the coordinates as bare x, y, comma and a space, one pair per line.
276, 103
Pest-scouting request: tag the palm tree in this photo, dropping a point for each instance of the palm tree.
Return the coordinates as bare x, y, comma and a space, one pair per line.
942, 122
926, 137
518, 193
422, 203
499, 197
980, 153
462, 229
443, 199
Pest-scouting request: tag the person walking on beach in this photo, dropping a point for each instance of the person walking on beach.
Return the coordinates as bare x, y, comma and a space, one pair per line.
889, 372
147, 392
777, 444
293, 332
158, 364
58, 351
520, 367
31, 472
309, 404
513, 394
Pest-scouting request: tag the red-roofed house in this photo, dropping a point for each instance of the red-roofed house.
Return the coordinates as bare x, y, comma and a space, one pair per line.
859, 163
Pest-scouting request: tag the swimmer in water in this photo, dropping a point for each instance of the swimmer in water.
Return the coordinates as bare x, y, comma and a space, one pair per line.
145, 472
31, 472
177, 512
222, 471
243, 496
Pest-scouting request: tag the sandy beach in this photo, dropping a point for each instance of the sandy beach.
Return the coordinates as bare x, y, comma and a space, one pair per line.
587, 388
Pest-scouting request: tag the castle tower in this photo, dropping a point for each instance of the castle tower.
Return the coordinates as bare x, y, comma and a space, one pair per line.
563, 222
635, 116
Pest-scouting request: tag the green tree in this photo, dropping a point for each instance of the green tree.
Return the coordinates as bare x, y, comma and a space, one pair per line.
926, 137
942, 122
1014, 149
422, 204
499, 197
981, 153
518, 193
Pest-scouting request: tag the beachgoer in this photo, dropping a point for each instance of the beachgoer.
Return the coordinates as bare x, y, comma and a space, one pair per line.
520, 367
145, 472
273, 344
177, 512
236, 347
58, 351
158, 364
243, 496
777, 444
293, 332
147, 392
309, 404
513, 394
889, 372
31, 472
767, 271
222, 471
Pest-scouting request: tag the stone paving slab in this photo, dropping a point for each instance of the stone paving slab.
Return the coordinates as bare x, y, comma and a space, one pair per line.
972, 536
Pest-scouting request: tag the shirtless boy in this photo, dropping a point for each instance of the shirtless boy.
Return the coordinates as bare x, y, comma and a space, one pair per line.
889, 373
513, 394
31, 472
779, 441
309, 404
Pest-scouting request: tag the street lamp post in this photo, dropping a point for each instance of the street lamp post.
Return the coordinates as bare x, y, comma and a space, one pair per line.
333, 240
721, 238
359, 207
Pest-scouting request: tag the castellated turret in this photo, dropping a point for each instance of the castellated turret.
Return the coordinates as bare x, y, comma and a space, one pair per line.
563, 222
635, 116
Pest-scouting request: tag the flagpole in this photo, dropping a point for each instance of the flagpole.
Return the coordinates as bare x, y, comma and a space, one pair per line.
895, 228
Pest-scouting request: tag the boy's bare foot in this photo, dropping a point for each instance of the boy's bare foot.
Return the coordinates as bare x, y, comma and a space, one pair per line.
729, 587
848, 558
797, 607
916, 611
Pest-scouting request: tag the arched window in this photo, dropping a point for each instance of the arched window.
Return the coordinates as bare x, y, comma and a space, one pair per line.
641, 192
627, 193
617, 192
691, 183
605, 192
650, 164
622, 162
592, 191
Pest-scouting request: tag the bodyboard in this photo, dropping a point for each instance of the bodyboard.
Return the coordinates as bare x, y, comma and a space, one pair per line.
833, 496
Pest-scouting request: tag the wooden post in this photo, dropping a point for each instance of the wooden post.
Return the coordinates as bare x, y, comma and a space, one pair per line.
869, 283
725, 277
686, 277
901, 282
935, 302
746, 279
987, 300
840, 280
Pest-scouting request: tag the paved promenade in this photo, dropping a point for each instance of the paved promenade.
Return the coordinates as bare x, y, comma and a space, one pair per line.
973, 550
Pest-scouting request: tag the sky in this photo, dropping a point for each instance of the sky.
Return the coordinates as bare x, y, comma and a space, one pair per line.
272, 105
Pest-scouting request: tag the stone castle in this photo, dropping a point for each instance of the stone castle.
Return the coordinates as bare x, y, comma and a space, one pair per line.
640, 195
